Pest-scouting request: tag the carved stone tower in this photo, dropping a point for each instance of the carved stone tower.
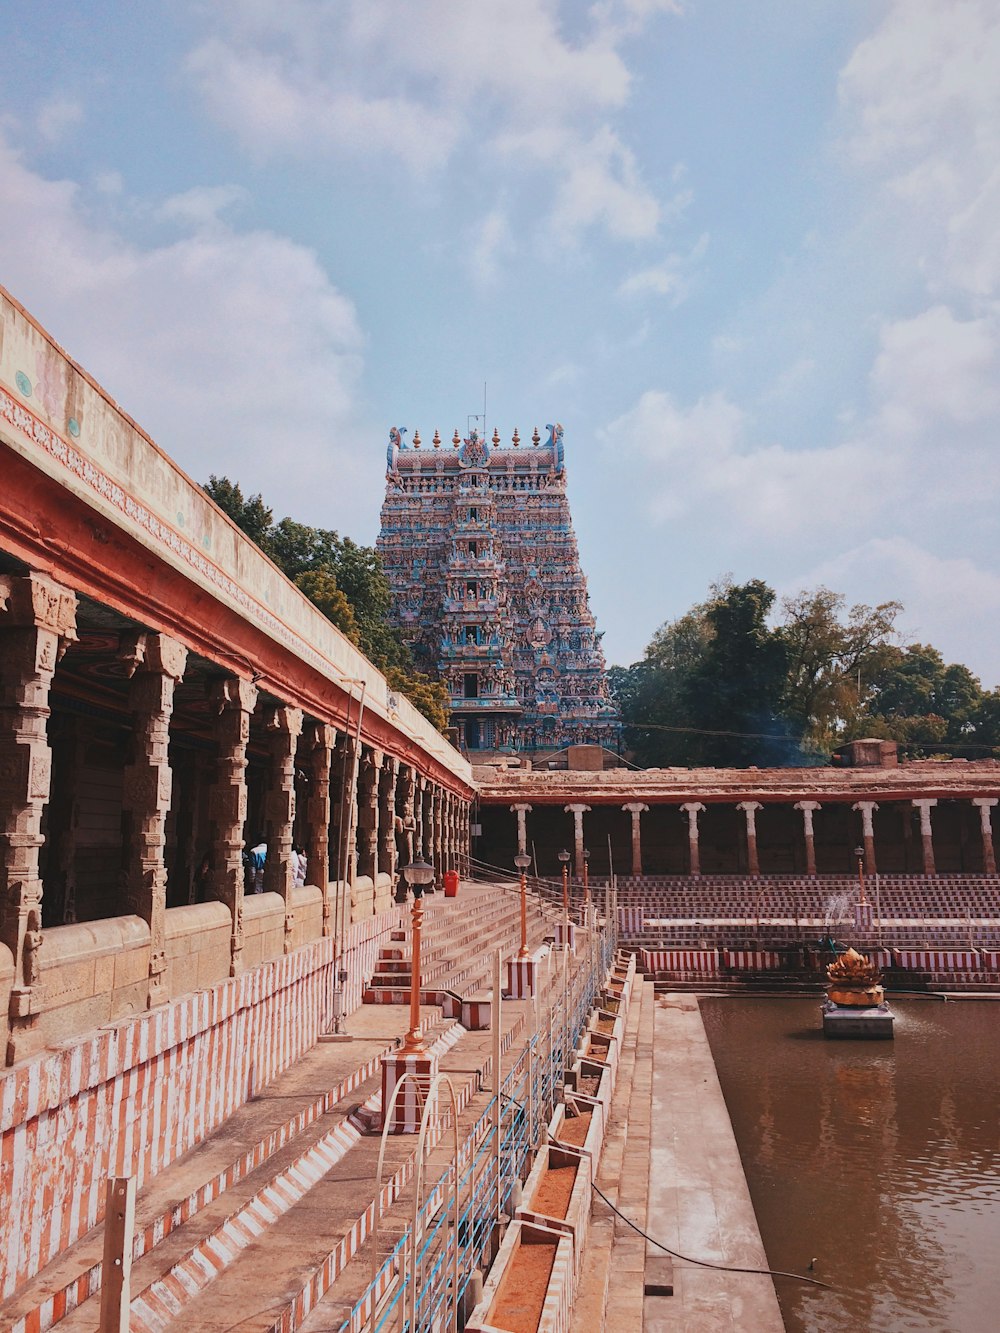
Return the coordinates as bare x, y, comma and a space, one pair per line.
479, 549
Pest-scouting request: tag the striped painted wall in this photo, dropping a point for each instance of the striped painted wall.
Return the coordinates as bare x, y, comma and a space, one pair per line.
132, 1097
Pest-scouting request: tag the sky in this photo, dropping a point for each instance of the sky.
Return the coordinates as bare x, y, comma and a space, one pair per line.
747, 254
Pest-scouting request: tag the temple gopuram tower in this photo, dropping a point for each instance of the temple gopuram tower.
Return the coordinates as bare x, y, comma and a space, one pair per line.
478, 546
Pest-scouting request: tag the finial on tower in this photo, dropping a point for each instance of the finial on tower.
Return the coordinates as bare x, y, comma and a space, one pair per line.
437, 440
496, 437
515, 439
456, 439
416, 439
535, 437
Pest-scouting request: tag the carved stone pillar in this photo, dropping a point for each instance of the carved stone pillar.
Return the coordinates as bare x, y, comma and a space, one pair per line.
347, 827
635, 809
282, 726
368, 821
750, 809
867, 809
986, 804
437, 819
693, 809
319, 743
926, 836
807, 808
409, 794
387, 819
155, 663
577, 811
522, 812
234, 701
451, 831
37, 623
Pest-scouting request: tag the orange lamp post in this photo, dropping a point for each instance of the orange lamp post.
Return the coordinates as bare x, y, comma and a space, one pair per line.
586, 883
418, 874
859, 852
564, 860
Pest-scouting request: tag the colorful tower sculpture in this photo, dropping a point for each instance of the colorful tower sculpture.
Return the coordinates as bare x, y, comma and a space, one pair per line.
479, 549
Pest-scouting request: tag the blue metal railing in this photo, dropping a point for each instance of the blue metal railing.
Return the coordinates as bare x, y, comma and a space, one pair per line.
528, 1095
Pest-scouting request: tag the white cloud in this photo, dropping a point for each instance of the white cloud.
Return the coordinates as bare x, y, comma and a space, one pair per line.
233, 349
202, 205
935, 373
295, 78
57, 117
492, 244
670, 278
706, 464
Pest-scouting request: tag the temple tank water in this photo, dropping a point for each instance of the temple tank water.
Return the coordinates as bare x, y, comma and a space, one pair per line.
878, 1160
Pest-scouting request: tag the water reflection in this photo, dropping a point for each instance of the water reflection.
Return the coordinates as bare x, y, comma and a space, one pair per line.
879, 1159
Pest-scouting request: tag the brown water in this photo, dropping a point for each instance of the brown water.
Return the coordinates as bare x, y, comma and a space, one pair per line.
881, 1160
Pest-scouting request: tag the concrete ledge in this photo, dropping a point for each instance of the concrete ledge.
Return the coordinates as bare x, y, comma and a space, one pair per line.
699, 1202
93, 972
198, 946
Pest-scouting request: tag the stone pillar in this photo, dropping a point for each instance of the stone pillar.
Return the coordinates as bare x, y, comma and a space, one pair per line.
807, 808
408, 778
387, 819
986, 804
635, 809
368, 812
867, 809
926, 837
464, 836
155, 664
693, 809
522, 812
577, 811
437, 806
234, 700
37, 623
750, 809
347, 839
282, 726
319, 742
418, 814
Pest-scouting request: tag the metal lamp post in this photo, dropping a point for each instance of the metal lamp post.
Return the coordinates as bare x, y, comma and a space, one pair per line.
564, 861
418, 875
859, 852
586, 884
522, 862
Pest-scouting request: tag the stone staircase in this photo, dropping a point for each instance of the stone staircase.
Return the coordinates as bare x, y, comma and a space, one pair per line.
612, 1246
268, 1219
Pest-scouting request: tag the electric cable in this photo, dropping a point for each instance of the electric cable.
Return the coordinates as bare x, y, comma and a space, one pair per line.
707, 1263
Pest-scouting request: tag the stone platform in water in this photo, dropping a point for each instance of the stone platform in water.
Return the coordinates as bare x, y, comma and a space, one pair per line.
873, 1023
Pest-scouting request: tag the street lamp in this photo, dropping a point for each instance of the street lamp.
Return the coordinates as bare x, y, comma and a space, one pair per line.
586, 883
418, 875
859, 853
522, 861
564, 858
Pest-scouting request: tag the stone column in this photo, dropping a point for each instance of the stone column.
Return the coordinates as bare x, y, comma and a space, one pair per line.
418, 814
867, 809
522, 812
986, 804
693, 809
387, 819
37, 623
319, 742
577, 811
347, 836
807, 808
234, 700
750, 809
368, 812
155, 664
282, 726
926, 837
635, 809
437, 807
408, 778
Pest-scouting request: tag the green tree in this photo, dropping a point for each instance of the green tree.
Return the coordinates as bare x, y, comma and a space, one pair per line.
926, 703
345, 581
251, 515
833, 661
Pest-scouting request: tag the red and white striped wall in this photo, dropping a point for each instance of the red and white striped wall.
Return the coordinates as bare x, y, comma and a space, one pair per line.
130, 1098
703, 962
937, 960
751, 960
